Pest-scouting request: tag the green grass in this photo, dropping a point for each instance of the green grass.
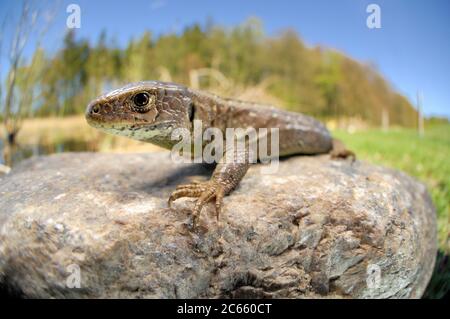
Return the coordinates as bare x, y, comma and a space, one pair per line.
428, 159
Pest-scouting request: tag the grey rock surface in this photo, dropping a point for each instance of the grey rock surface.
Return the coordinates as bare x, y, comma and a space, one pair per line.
317, 228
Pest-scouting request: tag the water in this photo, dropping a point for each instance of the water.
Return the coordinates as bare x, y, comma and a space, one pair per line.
22, 152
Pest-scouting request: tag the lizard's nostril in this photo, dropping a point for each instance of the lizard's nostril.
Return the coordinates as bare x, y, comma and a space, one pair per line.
95, 109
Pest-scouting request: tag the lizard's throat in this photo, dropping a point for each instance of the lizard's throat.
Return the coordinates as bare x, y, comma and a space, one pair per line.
159, 134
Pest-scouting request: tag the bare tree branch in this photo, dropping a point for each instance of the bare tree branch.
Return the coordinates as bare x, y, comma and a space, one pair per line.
26, 25
2, 27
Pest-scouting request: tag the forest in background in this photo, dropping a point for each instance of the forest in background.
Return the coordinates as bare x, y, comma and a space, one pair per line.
313, 80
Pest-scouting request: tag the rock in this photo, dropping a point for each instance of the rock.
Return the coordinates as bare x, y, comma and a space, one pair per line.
315, 229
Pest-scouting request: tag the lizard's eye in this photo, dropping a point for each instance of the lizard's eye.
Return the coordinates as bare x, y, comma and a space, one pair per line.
95, 109
141, 102
141, 99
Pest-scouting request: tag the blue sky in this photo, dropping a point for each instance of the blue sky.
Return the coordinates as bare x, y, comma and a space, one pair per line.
412, 48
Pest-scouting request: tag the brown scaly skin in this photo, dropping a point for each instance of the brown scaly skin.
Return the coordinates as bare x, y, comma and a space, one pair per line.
150, 111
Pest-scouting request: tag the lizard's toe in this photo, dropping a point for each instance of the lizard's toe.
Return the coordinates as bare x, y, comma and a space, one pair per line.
205, 191
188, 190
343, 154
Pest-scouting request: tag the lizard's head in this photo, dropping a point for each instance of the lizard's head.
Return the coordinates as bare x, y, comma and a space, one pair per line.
146, 111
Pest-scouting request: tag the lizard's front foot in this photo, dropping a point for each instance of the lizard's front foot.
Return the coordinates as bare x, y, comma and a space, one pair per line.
340, 151
205, 191
343, 154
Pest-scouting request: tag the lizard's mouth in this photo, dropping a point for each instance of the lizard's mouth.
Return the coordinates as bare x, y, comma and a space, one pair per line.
102, 115
145, 128
98, 118
139, 131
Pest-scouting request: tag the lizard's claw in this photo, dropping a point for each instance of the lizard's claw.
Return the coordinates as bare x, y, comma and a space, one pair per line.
205, 191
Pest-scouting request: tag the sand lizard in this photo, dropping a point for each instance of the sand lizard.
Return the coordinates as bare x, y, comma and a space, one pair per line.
150, 111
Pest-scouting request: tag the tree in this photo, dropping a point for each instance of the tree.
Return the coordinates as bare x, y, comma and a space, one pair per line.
15, 106
316, 81
328, 81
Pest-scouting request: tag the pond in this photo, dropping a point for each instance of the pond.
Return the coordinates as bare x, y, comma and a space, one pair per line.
24, 151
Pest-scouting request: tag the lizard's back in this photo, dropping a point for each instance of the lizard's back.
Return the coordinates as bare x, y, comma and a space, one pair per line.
298, 133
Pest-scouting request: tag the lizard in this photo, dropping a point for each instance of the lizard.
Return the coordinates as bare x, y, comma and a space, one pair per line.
150, 111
